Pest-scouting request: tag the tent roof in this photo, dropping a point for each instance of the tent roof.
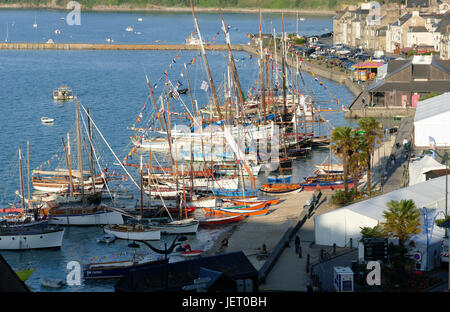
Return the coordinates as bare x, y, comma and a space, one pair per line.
432, 107
423, 194
427, 163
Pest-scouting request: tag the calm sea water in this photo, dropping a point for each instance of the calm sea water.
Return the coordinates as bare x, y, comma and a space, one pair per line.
113, 85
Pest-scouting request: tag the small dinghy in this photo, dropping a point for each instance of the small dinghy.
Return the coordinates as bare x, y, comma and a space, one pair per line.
107, 238
47, 120
52, 282
186, 251
192, 253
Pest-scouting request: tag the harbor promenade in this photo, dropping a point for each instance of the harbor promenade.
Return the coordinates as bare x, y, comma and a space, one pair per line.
249, 235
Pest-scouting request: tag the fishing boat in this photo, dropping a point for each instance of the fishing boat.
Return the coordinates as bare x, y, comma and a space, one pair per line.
280, 188
211, 219
62, 93
117, 269
184, 226
133, 232
47, 120
37, 236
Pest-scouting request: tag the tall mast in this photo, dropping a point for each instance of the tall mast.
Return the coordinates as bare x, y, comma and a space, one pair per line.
283, 61
261, 68
194, 114
233, 65
69, 165
22, 198
80, 155
29, 175
142, 193
213, 89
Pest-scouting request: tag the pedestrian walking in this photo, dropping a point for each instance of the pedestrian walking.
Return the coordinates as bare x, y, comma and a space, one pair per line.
297, 243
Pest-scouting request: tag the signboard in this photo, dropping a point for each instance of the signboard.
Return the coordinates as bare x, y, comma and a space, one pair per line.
375, 249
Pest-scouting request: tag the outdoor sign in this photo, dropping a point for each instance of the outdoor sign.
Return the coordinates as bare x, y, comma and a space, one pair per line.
375, 249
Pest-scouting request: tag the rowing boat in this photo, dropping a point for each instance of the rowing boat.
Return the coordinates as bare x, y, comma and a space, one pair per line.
280, 188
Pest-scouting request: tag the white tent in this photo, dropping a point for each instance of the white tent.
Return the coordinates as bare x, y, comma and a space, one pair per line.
431, 120
419, 168
341, 225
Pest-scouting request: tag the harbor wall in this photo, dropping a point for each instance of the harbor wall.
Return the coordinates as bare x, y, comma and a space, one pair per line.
96, 46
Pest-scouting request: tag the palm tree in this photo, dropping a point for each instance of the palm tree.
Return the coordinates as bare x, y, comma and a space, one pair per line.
357, 158
372, 232
402, 222
341, 143
372, 132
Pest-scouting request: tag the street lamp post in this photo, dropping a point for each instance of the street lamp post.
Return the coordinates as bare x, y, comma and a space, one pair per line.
165, 252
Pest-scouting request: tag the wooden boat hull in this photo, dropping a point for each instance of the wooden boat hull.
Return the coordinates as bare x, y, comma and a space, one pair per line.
129, 234
326, 185
234, 193
177, 227
280, 188
212, 219
234, 212
115, 269
250, 202
31, 238
192, 253
94, 218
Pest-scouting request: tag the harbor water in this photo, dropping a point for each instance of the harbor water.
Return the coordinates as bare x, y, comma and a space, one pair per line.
113, 85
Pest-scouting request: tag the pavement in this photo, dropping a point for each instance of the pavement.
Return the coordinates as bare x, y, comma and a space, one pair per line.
250, 234
395, 173
290, 271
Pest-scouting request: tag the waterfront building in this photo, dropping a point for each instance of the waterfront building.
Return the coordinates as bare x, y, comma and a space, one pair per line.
408, 80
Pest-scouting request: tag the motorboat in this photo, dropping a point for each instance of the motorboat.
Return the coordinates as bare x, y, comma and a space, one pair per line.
62, 93
47, 120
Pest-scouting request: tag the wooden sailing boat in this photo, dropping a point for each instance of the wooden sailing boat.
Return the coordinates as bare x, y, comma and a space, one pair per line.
84, 214
134, 231
32, 235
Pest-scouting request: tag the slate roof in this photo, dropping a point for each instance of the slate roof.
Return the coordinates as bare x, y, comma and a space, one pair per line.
234, 265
